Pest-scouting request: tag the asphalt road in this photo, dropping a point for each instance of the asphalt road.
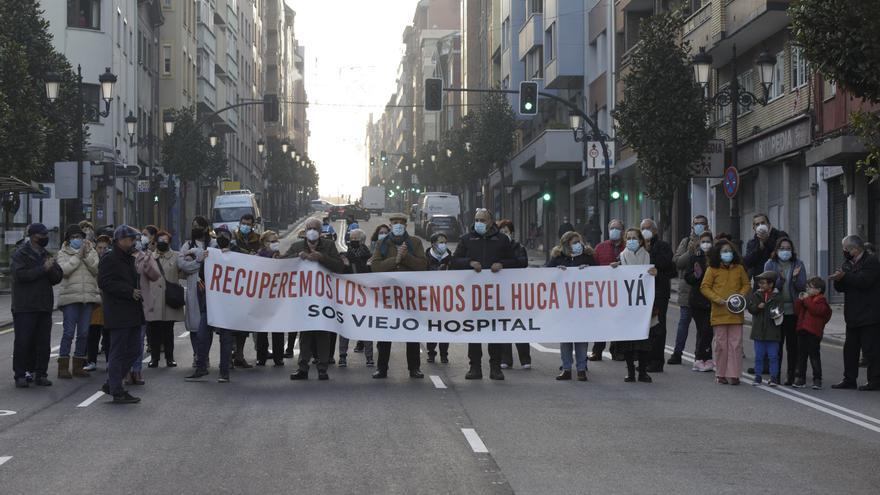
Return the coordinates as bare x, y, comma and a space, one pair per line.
352, 434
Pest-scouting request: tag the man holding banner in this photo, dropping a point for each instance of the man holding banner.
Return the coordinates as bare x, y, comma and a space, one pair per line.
399, 252
323, 250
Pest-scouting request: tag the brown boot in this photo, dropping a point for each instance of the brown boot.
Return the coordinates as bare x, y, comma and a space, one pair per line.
137, 378
78, 365
64, 367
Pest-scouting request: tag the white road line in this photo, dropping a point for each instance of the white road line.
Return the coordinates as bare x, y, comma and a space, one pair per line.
57, 347
4, 459
474, 440
802, 398
438, 383
88, 402
184, 334
540, 348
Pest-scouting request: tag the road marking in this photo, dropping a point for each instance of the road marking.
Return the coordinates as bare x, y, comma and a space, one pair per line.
807, 400
438, 383
6, 412
184, 334
4, 459
88, 402
474, 440
540, 348
59, 323
55, 348
10, 330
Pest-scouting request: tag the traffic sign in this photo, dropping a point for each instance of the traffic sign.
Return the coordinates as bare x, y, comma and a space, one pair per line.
731, 182
143, 186
128, 171
594, 155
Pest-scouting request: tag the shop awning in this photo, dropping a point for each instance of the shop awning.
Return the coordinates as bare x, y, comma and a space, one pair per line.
10, 184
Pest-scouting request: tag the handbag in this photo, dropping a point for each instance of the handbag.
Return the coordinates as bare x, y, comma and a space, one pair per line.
175, 297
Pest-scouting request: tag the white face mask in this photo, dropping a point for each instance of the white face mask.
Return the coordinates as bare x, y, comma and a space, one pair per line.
762, 229
275, 246
312, 235
705, 246
647, 234
441, 247
145, 239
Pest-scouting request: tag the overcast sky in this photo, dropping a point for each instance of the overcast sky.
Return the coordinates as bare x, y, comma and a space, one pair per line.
353, 48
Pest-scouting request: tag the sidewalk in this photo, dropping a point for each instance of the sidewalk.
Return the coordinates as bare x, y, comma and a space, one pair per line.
5, 309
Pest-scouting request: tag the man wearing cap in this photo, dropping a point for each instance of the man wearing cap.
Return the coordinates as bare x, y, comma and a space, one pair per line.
34, 272
399, 252
118, 280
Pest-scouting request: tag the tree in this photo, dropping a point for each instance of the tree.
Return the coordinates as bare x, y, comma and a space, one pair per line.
491, 134
188, 154
36, 132
850, 57
663, 113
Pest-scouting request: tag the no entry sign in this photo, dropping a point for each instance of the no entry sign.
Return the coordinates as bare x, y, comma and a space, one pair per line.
731, 182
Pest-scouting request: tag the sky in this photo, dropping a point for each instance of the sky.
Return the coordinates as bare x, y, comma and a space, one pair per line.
353, 49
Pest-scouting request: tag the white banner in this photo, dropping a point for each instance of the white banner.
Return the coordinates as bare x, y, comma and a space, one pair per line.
523, 305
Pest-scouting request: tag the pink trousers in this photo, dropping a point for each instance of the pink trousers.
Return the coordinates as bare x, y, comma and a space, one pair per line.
728, 351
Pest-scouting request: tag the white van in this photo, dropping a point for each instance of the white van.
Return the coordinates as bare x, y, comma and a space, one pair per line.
438, 204
230, 206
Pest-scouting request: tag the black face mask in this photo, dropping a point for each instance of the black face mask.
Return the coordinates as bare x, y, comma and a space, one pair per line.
848, 255
198, 234
162, 246
223, 242
43, 242
354, 244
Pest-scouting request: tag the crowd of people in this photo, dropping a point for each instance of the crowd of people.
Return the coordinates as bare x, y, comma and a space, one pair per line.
122, 287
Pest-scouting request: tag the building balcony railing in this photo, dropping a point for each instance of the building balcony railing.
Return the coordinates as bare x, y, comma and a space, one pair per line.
531, 35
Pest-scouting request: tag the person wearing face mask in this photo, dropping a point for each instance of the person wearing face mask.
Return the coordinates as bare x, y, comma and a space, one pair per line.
399, 252
564, 227
636, 254
77, 296
323, 251
661, 258
439, 257
97, 335
607, 252
859, 281
34, 272
88, 230
725, 277
356, 260
147, 239
159, 315
196, 249
687, 247
246, 239
761, 246
523, 349
270, 249
226, 337
699, 305
148, 270
791, 281
572, 251
483, 247
121, 299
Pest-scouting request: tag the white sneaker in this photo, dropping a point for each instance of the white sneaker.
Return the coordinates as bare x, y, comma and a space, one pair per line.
90, 367
527, 366
709, 365
504, 366
699, 366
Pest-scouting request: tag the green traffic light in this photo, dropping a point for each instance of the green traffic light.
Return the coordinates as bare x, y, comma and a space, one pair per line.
546, 197
528, 105
615, 194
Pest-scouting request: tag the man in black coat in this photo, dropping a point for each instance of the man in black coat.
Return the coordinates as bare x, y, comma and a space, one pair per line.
34, 272
661, 258
122, 301
761, 246
859, 280
483, 247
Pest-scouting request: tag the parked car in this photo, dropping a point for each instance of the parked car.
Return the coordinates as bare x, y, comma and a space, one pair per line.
446, 224
320, 205
339, 212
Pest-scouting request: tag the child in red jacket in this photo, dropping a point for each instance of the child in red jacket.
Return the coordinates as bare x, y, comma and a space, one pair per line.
813, 313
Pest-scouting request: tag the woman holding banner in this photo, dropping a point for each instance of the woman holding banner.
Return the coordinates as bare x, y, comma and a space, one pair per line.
572, 251
356, 260
269, 249
505, 227
438, 257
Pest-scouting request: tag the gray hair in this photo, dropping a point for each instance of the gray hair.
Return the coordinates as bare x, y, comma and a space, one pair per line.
653, 223
317, 222
357, 235
853, 241
616, 220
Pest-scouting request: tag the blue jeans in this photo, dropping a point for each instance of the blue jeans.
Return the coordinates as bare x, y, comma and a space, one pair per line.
767, 349
77, 317
227, 338
684, 326
580, 351
204, 338
138, 363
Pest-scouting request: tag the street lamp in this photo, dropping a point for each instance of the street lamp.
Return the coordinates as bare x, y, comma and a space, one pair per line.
284, 146
433, 158
213, 138
107, 80
131, 124
448, 153
734, 96
261, 145
168, 123
467, 146
53, 83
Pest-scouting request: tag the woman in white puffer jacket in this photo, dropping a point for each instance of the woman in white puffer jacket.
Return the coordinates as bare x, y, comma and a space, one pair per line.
77, 296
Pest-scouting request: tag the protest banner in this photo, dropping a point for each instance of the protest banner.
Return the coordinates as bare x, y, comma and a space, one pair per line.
514, 305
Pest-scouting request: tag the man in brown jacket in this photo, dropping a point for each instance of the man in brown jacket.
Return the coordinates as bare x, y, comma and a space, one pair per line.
322, 250
399, 252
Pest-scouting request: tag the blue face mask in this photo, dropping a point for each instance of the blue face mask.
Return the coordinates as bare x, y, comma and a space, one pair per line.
699, 229
382, 237
76, 243
784, 255
614, 234
398, 229
577, 249
244, 229
727, 257
632, 245
480, 228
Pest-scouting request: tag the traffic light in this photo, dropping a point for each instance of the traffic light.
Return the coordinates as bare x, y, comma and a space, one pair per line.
372, 161
603, 182
384, 157
270, 108
433, 94
528, 98
546, 197
616, 192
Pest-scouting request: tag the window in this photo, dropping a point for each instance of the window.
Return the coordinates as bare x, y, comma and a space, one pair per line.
168, 4
778, 87
505, 34
746, 83
548, 43
829, 89
798, 68
166, 60
91, 94
84, 14
535, 6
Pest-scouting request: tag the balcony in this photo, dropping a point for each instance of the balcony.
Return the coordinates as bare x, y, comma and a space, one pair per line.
698, 29
553, 149
531, 35
636, 5
207, 95
747, 24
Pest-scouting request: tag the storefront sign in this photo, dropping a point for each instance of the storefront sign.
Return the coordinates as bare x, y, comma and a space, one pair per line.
784, 141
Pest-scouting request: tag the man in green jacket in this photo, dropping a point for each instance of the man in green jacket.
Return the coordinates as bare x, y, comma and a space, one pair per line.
322, 250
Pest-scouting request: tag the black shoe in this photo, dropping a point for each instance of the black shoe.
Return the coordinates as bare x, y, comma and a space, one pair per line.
197, 374
299, 375
430, 360
474, 374
565, 375
288, 354
322, 375
631, 378
416, 374
279, 362
21, 383
645, 378
171, 363
105, 388
496, 374
343, 362
800, 383
261, 362
444, 359
751, 371
582, 376
125, 398
674, 359
153, 364
42, 381
618, 357
223, 379
595, 356
844, 385
380, 374
870, 386
331, 361
654, 368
